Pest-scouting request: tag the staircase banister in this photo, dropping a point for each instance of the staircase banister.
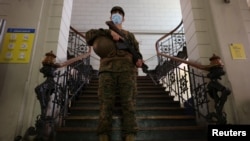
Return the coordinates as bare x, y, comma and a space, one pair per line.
72, 60
77, 32
82, 56
193, 64
166, 35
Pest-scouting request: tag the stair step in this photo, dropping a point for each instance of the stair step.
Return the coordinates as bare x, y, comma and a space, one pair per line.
159, 116
140, 111
139, 103
157, 103
139, 84
139, 87
180, 133
143, 121
142, 91
139, 97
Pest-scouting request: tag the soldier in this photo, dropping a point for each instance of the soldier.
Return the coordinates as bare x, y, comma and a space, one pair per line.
117, 71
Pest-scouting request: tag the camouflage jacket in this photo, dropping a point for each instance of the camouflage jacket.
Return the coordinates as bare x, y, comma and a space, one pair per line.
119, 60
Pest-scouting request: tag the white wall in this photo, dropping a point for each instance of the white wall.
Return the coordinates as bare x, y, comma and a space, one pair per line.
65, 17
245, 15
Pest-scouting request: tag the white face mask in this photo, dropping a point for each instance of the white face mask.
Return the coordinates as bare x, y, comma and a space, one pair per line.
116, 18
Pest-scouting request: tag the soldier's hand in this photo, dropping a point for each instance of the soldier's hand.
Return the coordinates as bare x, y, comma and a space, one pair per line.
139, 63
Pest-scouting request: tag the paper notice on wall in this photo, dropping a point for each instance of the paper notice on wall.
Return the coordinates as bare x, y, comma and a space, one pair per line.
17, 45
237, 51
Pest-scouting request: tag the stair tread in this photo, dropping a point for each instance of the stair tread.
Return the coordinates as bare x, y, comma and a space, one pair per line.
159, 116
151, 101
137, 108
83, 129
139, 95
138, 117
141, 92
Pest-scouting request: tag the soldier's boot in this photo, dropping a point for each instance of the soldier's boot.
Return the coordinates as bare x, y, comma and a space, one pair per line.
130, 137
103, 137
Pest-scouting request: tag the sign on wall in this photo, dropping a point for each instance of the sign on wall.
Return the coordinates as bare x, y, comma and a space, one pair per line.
237, 51
17, 45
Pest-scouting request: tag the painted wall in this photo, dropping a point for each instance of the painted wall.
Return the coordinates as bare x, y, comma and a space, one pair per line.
211, 27
232, 26
18, 104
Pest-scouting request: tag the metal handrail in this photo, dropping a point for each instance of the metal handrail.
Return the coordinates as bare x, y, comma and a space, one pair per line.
165, 36
63, 84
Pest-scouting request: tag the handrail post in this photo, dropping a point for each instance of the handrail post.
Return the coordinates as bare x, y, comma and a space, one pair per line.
214, 87
43, 93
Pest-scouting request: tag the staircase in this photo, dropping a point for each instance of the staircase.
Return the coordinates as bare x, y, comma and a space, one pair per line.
159, 117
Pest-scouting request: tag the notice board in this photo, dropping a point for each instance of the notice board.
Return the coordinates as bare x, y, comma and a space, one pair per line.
17, 45
237, 51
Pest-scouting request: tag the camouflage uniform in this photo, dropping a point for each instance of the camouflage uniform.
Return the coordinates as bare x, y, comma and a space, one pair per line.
117, 72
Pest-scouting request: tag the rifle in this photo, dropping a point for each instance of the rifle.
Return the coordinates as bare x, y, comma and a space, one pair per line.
128, 45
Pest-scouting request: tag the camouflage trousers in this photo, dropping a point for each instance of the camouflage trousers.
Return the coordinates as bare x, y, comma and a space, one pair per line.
112, 85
